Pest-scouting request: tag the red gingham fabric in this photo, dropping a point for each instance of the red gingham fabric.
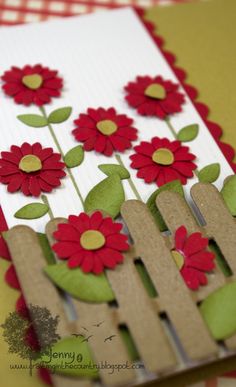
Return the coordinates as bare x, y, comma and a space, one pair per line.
26, 11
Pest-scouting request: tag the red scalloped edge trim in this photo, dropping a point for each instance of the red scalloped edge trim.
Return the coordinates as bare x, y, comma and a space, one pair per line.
203, 110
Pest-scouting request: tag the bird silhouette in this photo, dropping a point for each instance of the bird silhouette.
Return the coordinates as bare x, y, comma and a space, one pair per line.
109, 338
85, 329
77, 335
98, 325
86, 339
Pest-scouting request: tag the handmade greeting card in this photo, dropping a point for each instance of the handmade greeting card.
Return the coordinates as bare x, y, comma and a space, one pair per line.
117, 207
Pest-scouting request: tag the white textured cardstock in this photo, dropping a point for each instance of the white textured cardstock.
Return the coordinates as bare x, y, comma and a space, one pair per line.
96, 55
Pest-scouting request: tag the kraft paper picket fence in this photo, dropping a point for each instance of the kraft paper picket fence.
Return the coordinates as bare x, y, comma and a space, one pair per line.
168, 330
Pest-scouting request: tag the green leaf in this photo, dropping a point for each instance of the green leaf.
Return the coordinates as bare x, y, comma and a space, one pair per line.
174, 186
111, 169
60, 115
209, 174
85, 286
219, 311
32, 211
146, 280
74, 157
47, 251
71, 356
108, 196
34, 120
229, 194
188, 133
129, 343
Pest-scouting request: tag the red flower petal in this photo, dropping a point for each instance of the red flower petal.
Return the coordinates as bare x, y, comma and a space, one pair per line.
11, 278
45, 186
97, 265
120, 143
106, 226
26, 149
4, 252
195, 243
66, 249
100, 144
190, 276
84, 133
107, 257
66, 232
76, 260
50, 178
185, 168
139, 160
145, 148
21, 307
96, 220
170, 175
12, 157
88, 261
202, 261
117, 242
15, 183
108, 149
180, 238
34, 186
149, 173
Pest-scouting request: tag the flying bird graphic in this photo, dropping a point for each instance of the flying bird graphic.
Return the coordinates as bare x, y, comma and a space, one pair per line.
98, 325
87, 339
109, 338
85, 329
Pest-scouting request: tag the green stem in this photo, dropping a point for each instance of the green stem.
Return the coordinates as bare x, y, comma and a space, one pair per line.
130, 181
45, 201
170, 126
42, 109
75, 186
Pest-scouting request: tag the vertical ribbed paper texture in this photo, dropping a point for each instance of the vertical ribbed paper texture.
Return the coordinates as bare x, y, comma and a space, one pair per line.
96, 55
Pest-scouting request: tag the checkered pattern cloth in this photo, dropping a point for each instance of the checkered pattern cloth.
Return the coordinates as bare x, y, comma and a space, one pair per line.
26, 11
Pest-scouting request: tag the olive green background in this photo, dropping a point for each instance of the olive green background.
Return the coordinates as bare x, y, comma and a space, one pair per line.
202, 35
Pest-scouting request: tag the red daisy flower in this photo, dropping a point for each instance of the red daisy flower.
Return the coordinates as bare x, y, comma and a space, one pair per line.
192, 258
162, 161
32, 84
91, 242
154, 96
31, 169
105, 131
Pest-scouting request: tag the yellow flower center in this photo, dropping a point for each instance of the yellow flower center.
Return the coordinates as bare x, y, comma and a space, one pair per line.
92, 240
163, 156
155, 91
33, 81
30, 163
178, 258
107, 127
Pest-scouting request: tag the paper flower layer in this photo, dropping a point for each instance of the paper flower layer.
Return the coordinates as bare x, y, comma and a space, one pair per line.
91, 242
162, 161
192, 258
154, 96
31, 169
32, 84
105, 131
